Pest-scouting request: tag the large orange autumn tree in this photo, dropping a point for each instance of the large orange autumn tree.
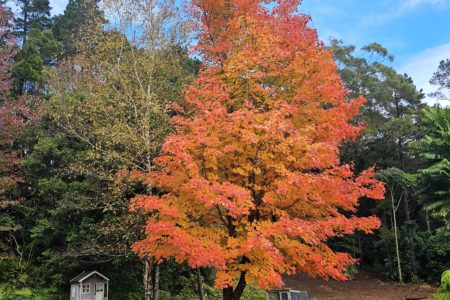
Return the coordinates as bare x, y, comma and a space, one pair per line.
251, 182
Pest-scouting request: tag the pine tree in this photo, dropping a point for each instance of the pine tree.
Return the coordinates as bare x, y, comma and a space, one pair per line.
32, 14
80, 19
14, 116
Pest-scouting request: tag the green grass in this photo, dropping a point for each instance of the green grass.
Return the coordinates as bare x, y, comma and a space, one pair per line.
9, 293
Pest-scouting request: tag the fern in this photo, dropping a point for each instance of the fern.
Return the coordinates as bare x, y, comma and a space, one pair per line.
435, 148
443, 292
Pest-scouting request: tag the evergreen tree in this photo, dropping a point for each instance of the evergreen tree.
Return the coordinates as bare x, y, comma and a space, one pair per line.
14, 117
32, 14
80, 18
40, 50
392, 114
8, 127
441, 78
392, 111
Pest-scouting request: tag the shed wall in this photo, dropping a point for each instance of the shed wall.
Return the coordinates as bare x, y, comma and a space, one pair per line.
74, 291
92, 281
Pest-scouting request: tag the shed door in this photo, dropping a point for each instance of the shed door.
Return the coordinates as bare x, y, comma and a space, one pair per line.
99, 293
274, 296
285, 296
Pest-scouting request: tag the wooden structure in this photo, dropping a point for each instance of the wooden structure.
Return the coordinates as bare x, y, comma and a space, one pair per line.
89, 285
287, 294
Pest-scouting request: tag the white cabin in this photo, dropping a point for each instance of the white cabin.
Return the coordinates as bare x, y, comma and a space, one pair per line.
89, 285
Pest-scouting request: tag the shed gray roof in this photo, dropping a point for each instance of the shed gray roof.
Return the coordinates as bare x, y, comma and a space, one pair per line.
86, 274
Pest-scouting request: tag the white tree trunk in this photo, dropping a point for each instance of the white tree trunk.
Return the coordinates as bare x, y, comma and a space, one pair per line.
397, 251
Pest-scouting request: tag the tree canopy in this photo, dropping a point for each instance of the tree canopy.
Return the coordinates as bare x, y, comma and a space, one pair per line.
251, 182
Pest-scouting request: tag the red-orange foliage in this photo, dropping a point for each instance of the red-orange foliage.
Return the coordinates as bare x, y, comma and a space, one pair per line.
251, 182
7, 122
13, 113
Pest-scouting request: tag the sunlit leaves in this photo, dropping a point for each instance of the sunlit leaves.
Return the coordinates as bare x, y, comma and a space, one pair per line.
253, 170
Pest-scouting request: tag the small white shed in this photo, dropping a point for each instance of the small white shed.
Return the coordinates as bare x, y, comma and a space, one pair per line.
89, 285
287, 294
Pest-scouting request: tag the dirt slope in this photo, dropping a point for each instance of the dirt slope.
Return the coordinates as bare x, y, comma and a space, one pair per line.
364, 287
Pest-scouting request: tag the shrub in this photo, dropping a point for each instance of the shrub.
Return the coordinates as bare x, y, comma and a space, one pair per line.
443, 292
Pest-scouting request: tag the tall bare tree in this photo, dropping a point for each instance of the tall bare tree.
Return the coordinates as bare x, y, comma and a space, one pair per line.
114, 94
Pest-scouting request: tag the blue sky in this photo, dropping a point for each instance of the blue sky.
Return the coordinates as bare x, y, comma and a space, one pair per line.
416, 32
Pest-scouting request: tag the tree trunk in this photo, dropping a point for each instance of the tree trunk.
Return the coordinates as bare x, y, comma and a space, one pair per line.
149, 292
354, 245
407, 215
400, 277
201, 292
361, 257
151, 270
156, 283
427, 218
409, 227
388, 252
235, 294
25, 23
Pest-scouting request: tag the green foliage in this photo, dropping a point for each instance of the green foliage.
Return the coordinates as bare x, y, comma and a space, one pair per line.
39, 50
392, 115
33, 14
13, 271
123, 119
391, 112
441, 78
434, 147
65, 214
253, 293
351, 271
443, 292
397, 178
79, 19
39, 14
38, 45
10, 293
189, 292
75, 213
432, 251
27, 72
376, 48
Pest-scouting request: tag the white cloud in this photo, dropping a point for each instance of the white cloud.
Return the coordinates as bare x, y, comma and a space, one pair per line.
410, 4
398, 9
422, 66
